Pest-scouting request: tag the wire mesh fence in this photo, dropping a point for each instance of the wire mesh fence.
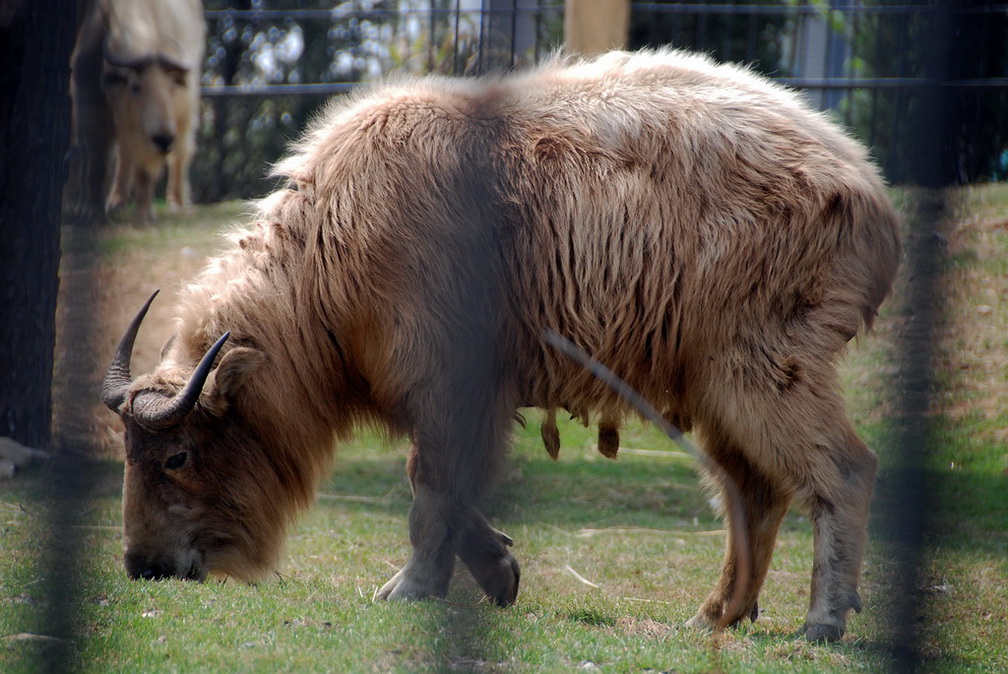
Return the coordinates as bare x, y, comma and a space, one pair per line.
269, 69
863, 61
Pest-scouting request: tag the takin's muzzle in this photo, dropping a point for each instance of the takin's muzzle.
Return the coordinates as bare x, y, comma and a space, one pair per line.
140, 566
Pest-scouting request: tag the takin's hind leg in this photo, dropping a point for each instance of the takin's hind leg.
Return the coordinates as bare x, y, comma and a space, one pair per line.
806, 439
838, 495
764, 503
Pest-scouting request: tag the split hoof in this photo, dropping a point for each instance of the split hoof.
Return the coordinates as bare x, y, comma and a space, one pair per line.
401, 587
501, 584
824, 632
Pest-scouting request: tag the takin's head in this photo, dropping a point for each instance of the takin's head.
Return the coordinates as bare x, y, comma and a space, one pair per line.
199, 493
147, 93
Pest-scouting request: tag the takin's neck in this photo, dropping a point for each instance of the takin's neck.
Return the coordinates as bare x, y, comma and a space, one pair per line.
304, 396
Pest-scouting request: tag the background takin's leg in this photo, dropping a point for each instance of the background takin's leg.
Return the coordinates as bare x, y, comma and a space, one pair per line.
95, 147
178, 193
122, 184
765, 502
145, 195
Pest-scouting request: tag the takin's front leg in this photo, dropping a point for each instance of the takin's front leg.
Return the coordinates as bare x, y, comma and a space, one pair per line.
765, 503
430, 566
483, 549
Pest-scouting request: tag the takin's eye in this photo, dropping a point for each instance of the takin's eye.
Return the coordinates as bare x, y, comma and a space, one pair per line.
114, 78
176, 461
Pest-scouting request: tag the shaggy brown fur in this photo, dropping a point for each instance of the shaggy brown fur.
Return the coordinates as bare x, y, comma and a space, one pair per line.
694, 227
135, 89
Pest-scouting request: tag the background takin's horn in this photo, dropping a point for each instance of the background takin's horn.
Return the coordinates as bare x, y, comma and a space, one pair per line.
171, 64
117, 378
121, 61
156, 411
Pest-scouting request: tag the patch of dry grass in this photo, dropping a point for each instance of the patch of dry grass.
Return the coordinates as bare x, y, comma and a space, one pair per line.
106, 275
975, 335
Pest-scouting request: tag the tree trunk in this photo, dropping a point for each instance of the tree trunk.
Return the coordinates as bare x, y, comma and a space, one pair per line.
36, 39
594, 26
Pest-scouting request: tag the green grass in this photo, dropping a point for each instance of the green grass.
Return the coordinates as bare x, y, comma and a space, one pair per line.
639, 530
615, 555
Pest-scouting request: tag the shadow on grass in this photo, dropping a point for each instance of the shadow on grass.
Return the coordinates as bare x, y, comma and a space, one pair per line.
584, 491
970, 510
573, 493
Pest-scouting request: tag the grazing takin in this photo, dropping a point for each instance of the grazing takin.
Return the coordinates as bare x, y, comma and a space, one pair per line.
135, 88
693, 226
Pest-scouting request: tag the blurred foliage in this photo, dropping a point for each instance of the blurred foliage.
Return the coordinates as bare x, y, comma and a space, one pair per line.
242, 132
256, 44
891, 45
756, 36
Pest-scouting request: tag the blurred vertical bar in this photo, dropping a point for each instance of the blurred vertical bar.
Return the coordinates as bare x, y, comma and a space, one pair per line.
35, 43
908, 495
36, 39
75, 393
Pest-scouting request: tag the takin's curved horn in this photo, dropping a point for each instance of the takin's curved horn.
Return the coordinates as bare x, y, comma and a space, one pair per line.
119, 61
117, 378
157, 412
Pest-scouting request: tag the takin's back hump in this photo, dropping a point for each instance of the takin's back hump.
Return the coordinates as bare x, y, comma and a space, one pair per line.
671, 209
654, 208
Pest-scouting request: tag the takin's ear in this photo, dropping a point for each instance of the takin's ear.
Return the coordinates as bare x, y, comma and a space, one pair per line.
231, 374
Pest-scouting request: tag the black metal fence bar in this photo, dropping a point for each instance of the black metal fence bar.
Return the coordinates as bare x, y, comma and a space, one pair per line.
239, 90
890, 83
807, 9
330, 14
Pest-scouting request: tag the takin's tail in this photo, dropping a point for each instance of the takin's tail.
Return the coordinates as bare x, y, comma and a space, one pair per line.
866, 256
